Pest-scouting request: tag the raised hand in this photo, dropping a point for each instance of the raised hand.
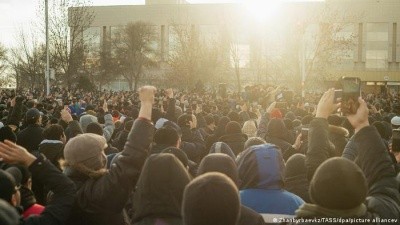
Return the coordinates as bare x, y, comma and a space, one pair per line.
326, 104
360, 119
15, 154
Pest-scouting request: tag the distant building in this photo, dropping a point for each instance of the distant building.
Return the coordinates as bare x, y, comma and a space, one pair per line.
375, 56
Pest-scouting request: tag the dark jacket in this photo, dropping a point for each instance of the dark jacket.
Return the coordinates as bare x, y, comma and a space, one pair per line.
120, 140
383, 197
235, 141
159, 190
30, 137
296, 177
63, 190
338, 136
193, 144
100, 201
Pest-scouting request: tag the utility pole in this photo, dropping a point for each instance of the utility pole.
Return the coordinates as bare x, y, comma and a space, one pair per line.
47, 72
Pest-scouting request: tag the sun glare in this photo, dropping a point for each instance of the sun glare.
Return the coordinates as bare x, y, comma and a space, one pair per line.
263, 10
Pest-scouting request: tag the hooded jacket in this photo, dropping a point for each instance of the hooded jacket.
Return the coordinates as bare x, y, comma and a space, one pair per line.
383, 200
296, 177
159, 192
261, 171
101, 200
217, 162
276, 135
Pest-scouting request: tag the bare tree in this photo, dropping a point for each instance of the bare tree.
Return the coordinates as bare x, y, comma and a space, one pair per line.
27, 61
3, 59
68, 21
192, 59
134, 51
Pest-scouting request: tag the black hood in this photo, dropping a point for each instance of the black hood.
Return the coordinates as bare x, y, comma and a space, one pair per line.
276, 128
160, 188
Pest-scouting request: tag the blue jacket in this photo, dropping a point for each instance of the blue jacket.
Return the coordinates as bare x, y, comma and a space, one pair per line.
261, 171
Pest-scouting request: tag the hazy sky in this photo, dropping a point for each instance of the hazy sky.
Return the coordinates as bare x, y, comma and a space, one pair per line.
19, 13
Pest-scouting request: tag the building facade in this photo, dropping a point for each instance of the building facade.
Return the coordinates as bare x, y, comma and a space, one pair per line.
374, 54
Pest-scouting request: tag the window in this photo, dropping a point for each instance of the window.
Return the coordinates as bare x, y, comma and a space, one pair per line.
377, 46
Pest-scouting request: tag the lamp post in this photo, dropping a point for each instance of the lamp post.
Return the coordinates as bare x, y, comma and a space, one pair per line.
47, 72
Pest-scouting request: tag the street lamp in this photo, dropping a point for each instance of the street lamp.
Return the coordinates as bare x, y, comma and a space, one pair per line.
47, 72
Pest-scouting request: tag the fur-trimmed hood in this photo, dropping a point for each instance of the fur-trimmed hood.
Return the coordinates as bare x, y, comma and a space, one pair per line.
338, 130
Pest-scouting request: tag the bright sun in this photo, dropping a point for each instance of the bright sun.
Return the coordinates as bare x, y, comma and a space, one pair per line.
263, 10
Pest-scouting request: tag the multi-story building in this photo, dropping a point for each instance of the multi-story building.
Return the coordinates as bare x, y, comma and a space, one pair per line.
374, 54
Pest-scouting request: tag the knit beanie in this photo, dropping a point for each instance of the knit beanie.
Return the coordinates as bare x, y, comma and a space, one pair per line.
338, 183
211, 199
86, 149
233, 127
290, 115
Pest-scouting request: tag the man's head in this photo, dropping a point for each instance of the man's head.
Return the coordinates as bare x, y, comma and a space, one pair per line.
338, 183
33, 116
210, 122
9, 187
168, 136
211, 199
54, 132
395, 122
85, 152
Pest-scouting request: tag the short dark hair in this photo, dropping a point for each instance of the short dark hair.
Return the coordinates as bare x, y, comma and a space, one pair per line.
166, 136
94, 128
53, 132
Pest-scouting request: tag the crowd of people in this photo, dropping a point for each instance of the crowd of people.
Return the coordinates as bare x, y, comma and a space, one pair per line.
170, 157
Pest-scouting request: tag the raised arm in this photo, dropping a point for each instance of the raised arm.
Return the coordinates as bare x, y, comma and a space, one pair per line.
57, 211
318, 140
373, 158
125, 171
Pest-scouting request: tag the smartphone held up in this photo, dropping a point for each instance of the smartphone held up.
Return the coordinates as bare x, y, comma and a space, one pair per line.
348, 91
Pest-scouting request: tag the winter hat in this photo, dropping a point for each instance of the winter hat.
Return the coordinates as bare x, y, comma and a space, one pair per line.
395, 121
221, 147
181, 155
8, 214
275, 113
86, 149
16, 174
94, 128
218, 162
85, 120
335, 120
253, 141
249, 128
295, 165
211, 199
296, 123
7, 134
7, 186
160, 122
338, 183
306, 120
233, 127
